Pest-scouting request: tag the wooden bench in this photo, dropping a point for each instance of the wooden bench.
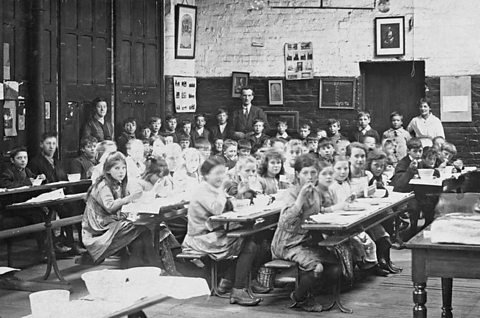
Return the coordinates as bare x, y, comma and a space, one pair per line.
194, 255
27, 229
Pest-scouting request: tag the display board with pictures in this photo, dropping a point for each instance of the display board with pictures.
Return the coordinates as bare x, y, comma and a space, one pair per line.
185, 94
298, 60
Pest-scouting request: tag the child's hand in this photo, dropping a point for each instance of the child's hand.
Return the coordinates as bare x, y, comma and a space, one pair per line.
413, 165
351, 198
135, 196
458, 164
243, 187
41, 177
305, 192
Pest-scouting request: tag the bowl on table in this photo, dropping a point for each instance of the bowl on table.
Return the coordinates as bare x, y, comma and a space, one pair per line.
36, 182
48, 303
73, 177
143, 275
426, 173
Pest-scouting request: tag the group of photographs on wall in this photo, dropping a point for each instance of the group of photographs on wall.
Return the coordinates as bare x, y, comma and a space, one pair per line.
298, 61
185, 94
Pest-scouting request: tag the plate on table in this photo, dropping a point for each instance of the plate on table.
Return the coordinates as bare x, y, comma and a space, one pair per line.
355, 207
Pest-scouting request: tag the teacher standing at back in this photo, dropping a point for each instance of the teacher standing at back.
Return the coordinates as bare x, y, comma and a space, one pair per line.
243, 118
425, 125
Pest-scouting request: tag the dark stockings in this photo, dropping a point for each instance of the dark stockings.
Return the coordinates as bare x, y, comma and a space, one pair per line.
244, 264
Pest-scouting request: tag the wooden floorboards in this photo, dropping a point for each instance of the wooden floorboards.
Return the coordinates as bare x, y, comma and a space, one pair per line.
371, 297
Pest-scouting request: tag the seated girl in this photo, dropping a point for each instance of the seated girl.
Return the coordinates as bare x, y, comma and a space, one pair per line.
360, 180
292, 243
187, 177
244, 183
271, 173
173, 157
205, 237
102, 151
294, 149
135, 159
155, 180
363, 247
105, 230
375, 172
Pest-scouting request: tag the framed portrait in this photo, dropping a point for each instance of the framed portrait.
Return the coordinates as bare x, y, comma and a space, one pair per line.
291, 117
185, 31
239, 80
389, 36
275, 92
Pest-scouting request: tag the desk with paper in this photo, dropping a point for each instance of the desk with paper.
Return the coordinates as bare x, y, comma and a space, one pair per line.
252, 219
342, 225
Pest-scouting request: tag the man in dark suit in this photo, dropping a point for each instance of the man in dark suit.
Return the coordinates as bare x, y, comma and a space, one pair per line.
243, 118
222, 129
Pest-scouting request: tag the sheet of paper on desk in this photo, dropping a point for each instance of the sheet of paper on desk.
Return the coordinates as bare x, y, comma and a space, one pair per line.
152, 206
336, 218
49, 196
252, 209
5, 270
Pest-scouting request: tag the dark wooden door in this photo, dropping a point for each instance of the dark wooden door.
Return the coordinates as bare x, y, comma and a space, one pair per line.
85, 59
390, 86
138, 57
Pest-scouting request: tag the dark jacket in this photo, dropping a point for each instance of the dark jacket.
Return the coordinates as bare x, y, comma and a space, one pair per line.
11, 177
245, 125
216, 134
83, 166
95, 129
403, 175
196, 136
170, 133
39, 164
357, 135
122, 142
257, 143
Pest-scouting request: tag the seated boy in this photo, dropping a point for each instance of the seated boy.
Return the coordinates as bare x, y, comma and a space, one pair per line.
244, 148
304, 132
282, 127
129, 128
257, 138
171, 127
155, 123
200, 131
341, 147
230, 149
186, 131
398, 134
204, 147
278, 144
369, 142
326, 150
184, 141
222, 129
85, 162
333, 130
364, 129
312, 144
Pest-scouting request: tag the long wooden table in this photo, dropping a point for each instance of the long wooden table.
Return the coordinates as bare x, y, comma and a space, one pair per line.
250, 223
447, 261
48, 212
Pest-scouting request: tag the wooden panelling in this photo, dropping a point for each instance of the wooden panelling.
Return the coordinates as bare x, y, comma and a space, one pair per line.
100, 60
85, 15
84, 59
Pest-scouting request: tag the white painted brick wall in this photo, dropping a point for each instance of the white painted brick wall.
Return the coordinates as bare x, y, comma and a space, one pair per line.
445, 36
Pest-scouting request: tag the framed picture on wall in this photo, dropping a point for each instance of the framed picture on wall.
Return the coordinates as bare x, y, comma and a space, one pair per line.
291, 117
275, 92
389, 36
239, 80
185, 31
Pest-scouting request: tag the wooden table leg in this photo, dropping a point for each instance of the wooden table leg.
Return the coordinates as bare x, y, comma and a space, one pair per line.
420, 298
447, 297
337, 301
52, 259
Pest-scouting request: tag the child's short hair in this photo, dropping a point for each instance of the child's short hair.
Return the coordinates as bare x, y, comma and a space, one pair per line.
89, 140
364, 137
425, 100
155, 167
324, 142
429, 152
437, 138
362, 113
202, 144
339, 158
200, 115
129, 120
312, 138
306, 160
186, 122
229, 143
209, 164
244, 144
305, 126
47, 135
170, 117
332, 121
389, 142
414, 143
259, 120
355, 145
221, 111
448, 146
154, 119
282, 122
275, 139
16, 150
396, 114
374, 155
183, 137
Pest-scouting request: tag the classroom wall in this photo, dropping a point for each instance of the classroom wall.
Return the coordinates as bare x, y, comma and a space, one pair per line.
443, 34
